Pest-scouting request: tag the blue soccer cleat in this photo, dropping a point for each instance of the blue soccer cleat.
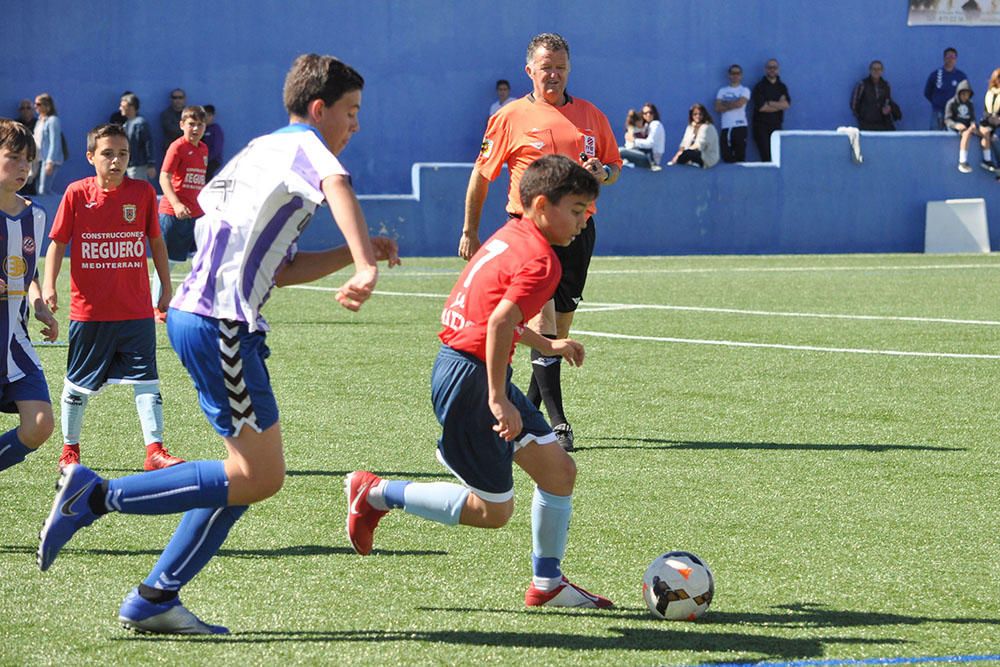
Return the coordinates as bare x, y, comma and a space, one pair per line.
171, 618
70, 512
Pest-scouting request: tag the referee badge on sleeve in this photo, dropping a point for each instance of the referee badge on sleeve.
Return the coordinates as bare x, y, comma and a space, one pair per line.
486, 149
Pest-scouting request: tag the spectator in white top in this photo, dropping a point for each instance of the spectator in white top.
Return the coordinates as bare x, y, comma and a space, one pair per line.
503, 96
731, 102
647, 152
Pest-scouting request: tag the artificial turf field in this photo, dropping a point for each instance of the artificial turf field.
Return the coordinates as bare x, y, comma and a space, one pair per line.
820, 429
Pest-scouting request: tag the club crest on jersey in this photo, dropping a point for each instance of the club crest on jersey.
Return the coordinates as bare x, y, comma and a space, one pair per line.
28, 246
589, 145
128, 212
486, 149
15, 266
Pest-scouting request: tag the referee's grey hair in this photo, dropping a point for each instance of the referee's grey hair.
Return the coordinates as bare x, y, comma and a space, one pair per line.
548, 40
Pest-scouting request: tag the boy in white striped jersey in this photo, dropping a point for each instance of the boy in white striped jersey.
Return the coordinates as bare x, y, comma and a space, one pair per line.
23, 388
255, 209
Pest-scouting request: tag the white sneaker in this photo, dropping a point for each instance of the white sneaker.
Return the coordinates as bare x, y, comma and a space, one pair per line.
964, 167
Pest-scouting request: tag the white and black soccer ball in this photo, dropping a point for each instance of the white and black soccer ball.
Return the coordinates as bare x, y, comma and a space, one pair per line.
678, 586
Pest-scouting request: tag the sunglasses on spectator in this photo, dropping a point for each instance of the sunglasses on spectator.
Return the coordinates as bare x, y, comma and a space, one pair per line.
177, 97
736, 71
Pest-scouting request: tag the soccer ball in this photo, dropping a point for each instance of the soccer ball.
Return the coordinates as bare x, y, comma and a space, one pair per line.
678, 586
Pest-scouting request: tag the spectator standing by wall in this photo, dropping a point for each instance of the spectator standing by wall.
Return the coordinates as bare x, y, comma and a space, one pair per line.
941, 86
48, 138
215, 139
503, 96
770, 100
871, 101
140, 140
170, 118
731, 101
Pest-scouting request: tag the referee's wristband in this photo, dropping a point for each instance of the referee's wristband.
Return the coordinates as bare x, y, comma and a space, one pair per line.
607, 173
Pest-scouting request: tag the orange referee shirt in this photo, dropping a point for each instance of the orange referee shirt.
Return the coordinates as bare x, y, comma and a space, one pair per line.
526, 129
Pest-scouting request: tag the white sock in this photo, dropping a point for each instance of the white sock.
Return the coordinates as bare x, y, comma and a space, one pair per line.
376, 497
546, 584
963, 156
987, 155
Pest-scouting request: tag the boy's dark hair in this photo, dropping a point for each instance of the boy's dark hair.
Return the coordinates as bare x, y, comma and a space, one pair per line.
193, 111
318, 77
132, 100
16, 137
209, 108
952, 49
503, 82
556, 176
550, 41
102, 131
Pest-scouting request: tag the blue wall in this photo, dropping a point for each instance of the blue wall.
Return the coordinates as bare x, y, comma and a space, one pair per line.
430, 66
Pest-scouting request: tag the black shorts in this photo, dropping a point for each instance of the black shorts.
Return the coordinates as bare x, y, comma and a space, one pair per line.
575, 260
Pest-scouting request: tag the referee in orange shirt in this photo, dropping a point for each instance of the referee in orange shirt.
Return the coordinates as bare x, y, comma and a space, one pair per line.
546, 121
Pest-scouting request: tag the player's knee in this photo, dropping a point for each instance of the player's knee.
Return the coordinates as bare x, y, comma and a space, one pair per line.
266, 483
498, 515
36, 429
564, 474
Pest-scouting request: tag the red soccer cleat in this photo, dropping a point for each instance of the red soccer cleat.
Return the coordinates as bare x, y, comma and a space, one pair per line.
70, 456
157, 457
565, 595
362, 518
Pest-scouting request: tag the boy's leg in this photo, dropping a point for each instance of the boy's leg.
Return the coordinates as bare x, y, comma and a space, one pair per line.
554, 473
30, 397
74, 404
149, 406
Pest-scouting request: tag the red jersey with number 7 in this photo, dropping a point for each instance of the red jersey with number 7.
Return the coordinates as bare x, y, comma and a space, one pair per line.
516, 264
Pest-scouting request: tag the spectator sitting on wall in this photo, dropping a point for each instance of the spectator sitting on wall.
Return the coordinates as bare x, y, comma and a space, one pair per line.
960, 117
990, 120
503, 96
215, 139
646, 151
942, 85
871, 101
700, 145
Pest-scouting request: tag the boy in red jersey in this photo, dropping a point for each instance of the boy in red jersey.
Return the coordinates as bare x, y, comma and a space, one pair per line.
182, 177
487, 423
112, 339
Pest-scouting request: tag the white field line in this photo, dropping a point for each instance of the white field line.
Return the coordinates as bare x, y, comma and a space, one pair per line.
730, 343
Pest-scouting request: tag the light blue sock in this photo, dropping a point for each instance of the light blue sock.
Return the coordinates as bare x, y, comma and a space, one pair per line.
196, 540
149, 405
550, 516
437, 501
73, 406
179, 488
12, 450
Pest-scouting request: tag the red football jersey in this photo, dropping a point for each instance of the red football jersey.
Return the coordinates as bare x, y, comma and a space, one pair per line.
186, 164
106, 232
516, 264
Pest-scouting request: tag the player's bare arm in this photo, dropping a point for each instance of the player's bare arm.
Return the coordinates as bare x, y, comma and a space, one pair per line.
181, 211
53, 262
306, 267
570, 350
347, 214
158, 249
42, 313
475, 198
499, 339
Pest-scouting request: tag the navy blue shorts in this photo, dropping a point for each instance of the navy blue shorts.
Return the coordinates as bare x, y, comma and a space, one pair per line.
29, 387
103, 353
226, 362
469, 447
178, 234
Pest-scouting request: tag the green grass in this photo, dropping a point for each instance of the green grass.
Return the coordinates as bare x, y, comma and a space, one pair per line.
846, 502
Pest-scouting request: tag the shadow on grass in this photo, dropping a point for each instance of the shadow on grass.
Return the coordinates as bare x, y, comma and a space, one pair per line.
798, 615
656, 443
280, 552
660, 638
